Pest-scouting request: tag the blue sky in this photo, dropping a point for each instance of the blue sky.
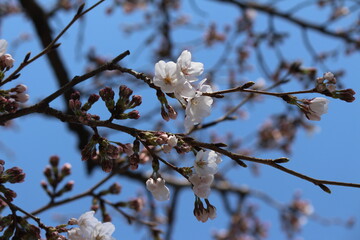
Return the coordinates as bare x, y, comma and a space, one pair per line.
331, 153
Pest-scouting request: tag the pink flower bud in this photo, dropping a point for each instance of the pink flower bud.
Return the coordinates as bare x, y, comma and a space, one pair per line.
6, 61
20, 88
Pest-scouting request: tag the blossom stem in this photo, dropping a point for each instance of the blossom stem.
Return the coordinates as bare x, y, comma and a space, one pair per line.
241, 89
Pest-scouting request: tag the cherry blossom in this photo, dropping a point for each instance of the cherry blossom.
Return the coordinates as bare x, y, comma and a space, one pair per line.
316, 107
201, 184
198, 106
190, 70
158, 189
206, 162
167, 76
90, 228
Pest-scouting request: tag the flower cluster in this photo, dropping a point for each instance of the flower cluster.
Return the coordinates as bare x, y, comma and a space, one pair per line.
158, 189
6, 60
176, 78
205, 167
10, 99
54, 177
327, 86
296, 215
106, 155
203, 214
90, 228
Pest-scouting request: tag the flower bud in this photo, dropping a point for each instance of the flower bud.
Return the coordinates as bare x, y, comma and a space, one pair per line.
15, 175
20, 88
6, 61
69, 186
107, 165
125, 92
66, 169
54, 161
75, 95
21, 97
171, 112
93, 98
106, 94
134, 114
115, 188
164, 114
135, 101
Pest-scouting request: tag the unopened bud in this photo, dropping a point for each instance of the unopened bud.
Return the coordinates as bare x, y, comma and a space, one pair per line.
66, 169
107, 165
93, 98
75, 95
69, 186
106, 94
115, 188
135, 101
134, 114
20, 88
54, 161
47, 172
164, 114
73, 221
171, 112
15, 175
125, 92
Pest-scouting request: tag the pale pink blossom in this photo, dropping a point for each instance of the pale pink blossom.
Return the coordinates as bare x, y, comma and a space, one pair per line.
316, 107
201, 184
198, 106
172, 141
190, 70
158, 189
206, 162
167, 76
90, 228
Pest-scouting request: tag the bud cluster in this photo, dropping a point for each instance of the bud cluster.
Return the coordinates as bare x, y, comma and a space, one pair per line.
327, 85
6, 60
54, 176
106, 153
81, 110
10, 99
18, 228
203, 214
11, 175
295, 216
124, 103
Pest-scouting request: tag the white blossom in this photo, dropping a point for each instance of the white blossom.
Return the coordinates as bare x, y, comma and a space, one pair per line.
158, 189
198, 106
201, 184
172, 141
317, 107
3, 46
167, 76
190, 70
90, 228
206, 162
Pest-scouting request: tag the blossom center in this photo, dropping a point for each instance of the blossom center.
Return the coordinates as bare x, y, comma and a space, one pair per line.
167, 80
